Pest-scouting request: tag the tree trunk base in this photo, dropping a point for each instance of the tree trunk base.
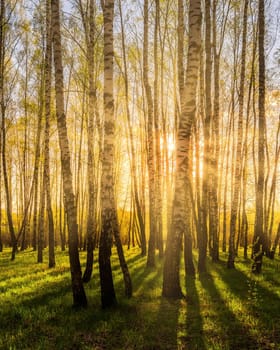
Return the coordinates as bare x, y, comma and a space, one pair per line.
173, 294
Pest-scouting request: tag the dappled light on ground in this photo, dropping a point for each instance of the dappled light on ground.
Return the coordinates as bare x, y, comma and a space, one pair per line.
222, 309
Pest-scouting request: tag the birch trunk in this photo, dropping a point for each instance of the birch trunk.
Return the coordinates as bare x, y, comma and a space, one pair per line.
79, 296
7, 184
48, 60
150, 142
109, 225
181, 202
259, 240
238, 157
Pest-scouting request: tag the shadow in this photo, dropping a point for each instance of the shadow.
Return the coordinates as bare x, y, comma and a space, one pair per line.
137, 257
39, 311
144, 279
262, 303
152, 322
226, 330
41, 297
18, 267
194, 338
149, 324
134, 256
165, 332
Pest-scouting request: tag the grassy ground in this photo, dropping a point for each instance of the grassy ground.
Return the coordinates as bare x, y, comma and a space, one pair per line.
224, 309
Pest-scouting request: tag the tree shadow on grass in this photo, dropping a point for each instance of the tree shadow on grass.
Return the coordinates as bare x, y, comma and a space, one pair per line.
131, 259
262, 304
40, 311
194, 338
151, 324
47, 313
147, 280
225, 330
165, 332
33, 300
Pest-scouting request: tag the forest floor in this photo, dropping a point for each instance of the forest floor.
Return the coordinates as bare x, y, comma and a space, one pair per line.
223, 309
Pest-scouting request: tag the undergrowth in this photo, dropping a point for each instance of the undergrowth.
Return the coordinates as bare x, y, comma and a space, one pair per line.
222, 309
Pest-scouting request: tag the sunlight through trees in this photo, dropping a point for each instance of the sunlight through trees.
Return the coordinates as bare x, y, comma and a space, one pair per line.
150, 124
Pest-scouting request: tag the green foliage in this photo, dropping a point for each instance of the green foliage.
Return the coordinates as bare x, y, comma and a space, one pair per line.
224, 309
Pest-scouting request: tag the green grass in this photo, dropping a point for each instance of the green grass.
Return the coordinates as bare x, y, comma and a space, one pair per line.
223, 309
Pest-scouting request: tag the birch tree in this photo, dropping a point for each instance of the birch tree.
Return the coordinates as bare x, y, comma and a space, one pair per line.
259, 240
79, 296
109, 220
238, 157
181, 203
